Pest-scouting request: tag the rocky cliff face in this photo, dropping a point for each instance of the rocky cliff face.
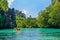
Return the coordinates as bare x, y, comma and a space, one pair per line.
7, 19
10, 18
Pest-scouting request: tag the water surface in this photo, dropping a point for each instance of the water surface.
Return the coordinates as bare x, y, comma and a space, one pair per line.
31, 34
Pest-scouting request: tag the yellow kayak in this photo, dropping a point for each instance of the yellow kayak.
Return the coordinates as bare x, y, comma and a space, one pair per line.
17, 29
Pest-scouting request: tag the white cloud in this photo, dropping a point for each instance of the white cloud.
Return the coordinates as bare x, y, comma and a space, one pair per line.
10, 2
24, 11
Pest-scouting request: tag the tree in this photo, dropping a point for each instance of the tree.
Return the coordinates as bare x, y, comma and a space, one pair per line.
43, 18
31, 22
3, 4
54, 15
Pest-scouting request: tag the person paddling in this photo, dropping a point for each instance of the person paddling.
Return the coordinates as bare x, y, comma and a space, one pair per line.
18, 28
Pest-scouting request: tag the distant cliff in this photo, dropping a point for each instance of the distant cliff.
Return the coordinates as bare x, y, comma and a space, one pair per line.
20, 14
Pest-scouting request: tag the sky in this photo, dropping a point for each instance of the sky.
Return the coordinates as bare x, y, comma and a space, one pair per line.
29, 7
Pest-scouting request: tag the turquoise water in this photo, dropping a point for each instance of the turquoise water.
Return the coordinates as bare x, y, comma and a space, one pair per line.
31, 34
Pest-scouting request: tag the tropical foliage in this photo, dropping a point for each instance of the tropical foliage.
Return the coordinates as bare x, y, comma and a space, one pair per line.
3, 4
26, 22
50, 17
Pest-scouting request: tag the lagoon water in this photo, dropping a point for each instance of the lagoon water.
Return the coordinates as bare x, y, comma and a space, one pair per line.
31, 34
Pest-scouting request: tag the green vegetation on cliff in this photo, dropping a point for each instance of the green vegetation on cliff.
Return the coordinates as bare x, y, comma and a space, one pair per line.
50, 17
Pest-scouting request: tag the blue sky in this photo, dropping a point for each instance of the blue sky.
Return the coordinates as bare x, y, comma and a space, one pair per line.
30, 7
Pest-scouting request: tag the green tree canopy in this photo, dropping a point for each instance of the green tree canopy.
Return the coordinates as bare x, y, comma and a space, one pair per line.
3, 4
50, 16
